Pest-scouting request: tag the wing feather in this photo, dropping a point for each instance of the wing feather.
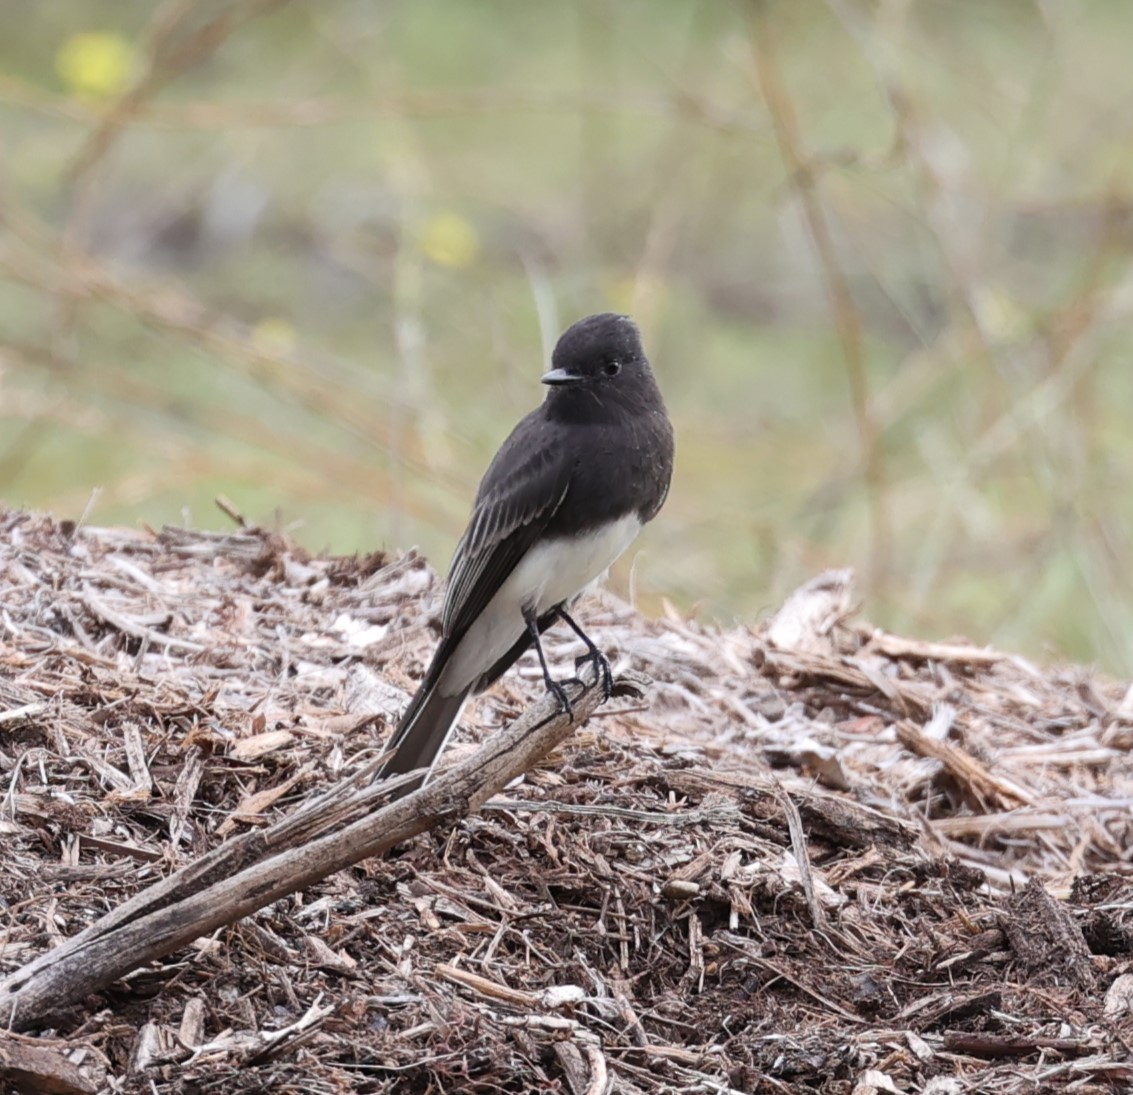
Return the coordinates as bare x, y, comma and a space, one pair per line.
521, 490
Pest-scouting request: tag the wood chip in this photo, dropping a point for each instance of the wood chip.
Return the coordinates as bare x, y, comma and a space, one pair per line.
668, 900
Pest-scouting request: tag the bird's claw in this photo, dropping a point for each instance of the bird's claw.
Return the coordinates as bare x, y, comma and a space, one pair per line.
602, 670
561, 698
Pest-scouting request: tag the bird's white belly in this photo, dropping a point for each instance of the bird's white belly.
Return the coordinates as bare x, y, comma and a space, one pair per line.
553, 571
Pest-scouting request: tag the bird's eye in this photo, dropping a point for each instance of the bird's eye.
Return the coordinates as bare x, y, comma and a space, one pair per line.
612, 368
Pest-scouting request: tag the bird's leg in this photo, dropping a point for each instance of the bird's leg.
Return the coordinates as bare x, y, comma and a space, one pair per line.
553, 686
593, 655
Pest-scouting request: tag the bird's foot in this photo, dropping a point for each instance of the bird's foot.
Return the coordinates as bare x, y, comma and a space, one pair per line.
561, 698
602, 670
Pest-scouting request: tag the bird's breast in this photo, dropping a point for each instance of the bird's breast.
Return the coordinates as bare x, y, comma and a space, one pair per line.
553, 571
559, 568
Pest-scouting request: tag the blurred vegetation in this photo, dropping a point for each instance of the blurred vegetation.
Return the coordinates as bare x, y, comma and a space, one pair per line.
313, 256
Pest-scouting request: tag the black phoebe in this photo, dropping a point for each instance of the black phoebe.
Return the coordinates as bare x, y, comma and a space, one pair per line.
564, 497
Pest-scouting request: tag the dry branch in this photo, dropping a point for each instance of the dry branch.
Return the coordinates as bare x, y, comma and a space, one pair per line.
339, 829
802, 177
41, 1068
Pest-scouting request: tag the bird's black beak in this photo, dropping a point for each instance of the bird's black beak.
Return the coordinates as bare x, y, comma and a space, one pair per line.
558, 377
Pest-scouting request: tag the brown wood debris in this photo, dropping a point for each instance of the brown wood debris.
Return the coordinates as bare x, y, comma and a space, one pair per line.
840, 861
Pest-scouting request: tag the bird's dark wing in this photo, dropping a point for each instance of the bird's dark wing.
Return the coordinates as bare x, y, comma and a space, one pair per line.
521, 490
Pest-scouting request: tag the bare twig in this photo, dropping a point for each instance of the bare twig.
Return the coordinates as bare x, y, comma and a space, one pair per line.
801, 177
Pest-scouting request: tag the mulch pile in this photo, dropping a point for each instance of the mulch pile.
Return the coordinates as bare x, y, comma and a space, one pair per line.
818, 857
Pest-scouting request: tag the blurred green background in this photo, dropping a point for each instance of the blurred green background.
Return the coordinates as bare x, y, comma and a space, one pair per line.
313, 256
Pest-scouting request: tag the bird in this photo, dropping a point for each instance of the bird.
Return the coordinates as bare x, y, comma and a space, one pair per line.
567, 492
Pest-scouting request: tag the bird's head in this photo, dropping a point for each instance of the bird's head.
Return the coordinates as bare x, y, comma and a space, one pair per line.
600, 359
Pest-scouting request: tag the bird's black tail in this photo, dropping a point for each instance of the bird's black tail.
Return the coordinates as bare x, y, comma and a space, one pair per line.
423, 731
430, 717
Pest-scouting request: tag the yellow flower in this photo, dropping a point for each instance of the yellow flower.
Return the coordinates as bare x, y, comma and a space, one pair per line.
95, 63
1002, 319
641, 293
449, 240
274, 337
621, 294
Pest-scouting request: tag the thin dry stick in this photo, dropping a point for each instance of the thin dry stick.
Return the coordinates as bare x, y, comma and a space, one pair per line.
681, 104
802, 857
801, 178
236, 879
174, 48
319, 387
